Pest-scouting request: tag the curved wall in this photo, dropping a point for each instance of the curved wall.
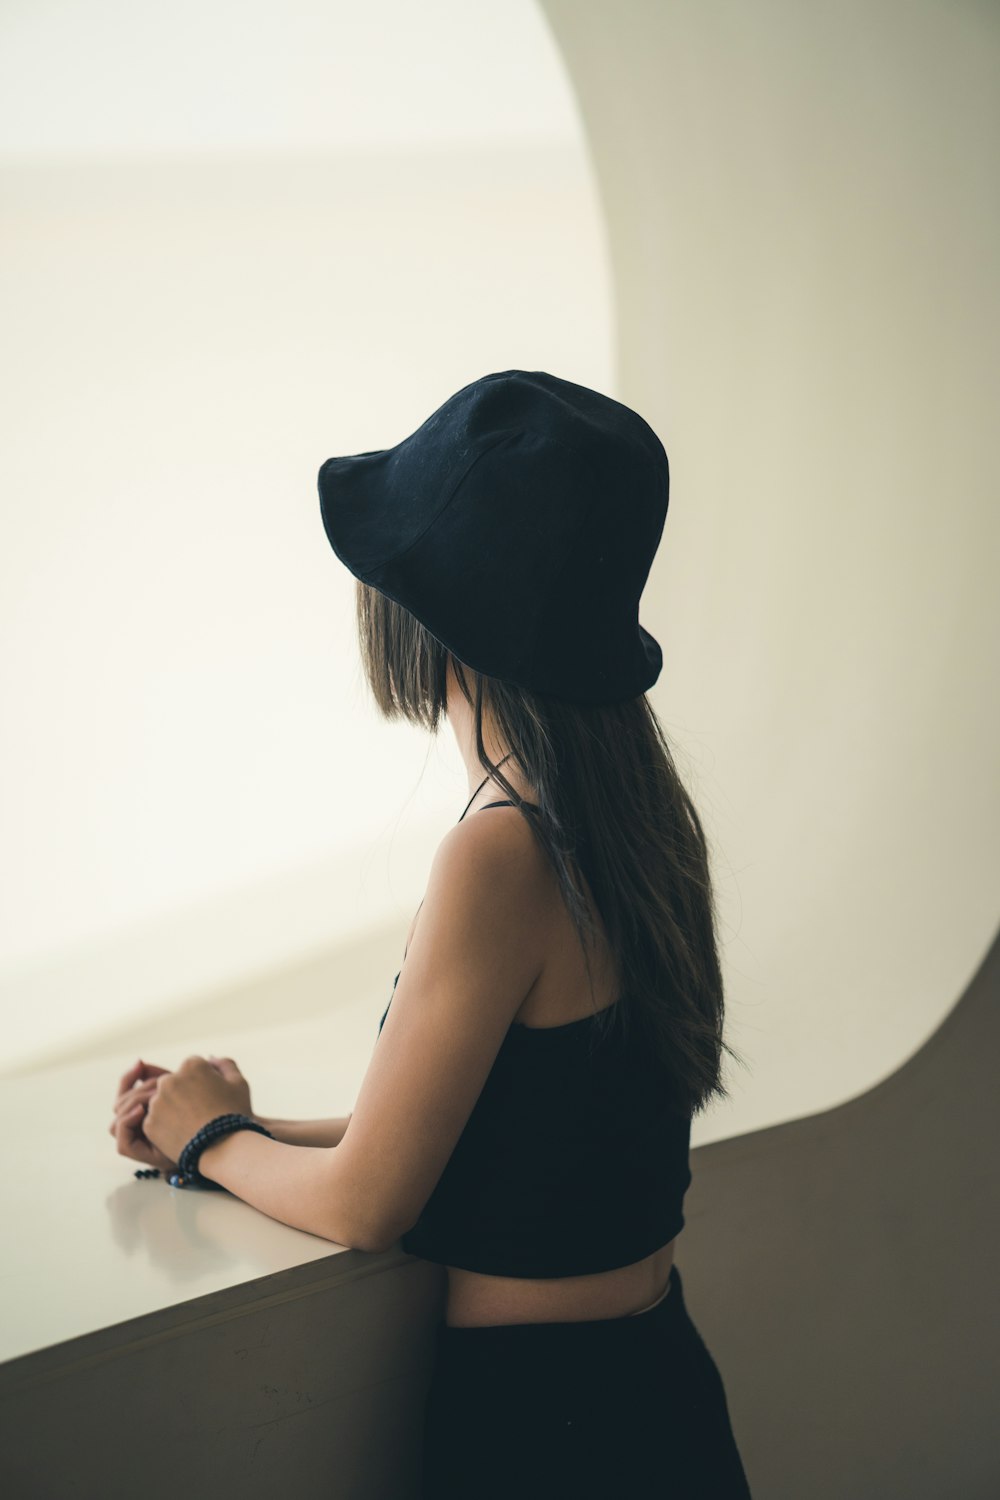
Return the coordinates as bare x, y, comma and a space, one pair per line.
805, 227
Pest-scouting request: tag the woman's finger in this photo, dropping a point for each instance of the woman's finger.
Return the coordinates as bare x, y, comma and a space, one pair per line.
140, 1073
135, 1113
131, 1107
139, 1070
133, 1104
132, 1143
136, 1088
142, 1093
128, 1078
129, 1138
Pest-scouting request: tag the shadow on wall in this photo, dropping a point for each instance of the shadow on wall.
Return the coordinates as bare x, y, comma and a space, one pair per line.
842, 1270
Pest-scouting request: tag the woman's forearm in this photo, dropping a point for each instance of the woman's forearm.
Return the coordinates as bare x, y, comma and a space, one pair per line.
306, 1187
307, 1132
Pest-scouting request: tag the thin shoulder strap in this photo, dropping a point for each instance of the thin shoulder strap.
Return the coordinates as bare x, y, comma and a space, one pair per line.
506, 803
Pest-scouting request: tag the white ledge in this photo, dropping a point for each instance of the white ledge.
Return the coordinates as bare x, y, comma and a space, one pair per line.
90, 1247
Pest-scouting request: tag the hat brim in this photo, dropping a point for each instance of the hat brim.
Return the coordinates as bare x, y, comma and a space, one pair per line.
341, 518
654, 656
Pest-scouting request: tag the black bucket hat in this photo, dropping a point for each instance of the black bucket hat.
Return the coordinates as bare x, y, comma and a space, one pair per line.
518, 524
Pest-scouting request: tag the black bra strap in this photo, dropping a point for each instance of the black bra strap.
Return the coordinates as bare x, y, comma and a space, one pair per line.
482, 784
506, 803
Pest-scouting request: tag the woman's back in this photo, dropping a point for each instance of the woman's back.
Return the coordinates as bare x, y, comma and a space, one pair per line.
576, 1161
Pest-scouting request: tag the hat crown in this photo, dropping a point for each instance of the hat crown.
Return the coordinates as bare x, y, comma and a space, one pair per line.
575, 415
518, 523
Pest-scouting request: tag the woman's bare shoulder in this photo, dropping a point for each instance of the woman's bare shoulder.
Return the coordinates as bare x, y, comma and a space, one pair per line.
498, 859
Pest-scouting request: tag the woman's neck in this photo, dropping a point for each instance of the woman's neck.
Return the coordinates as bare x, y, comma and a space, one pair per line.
489, 789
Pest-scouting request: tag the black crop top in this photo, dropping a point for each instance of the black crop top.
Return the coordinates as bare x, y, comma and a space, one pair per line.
569, 1163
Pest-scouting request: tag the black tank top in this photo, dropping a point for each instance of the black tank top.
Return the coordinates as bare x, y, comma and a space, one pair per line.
572, 1161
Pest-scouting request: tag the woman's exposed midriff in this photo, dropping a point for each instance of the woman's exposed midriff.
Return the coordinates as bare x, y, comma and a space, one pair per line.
477, 1301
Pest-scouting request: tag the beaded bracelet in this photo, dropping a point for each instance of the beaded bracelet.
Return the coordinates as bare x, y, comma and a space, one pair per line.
188, 1174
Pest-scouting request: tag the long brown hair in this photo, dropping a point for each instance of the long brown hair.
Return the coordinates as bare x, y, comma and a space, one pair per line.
610, 803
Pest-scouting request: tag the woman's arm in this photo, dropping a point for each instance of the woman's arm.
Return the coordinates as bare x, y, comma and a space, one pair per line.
306, 1132
479, 947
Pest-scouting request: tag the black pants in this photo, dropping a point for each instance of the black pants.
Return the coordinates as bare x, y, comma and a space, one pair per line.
608, 1409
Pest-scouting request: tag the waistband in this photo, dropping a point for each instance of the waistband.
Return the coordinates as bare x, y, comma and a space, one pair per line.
669, 1311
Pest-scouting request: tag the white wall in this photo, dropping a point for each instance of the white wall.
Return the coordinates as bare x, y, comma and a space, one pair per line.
193, 785
127, 78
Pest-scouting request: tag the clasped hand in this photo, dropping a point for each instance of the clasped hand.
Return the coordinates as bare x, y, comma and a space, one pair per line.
186, 1100
176, 1106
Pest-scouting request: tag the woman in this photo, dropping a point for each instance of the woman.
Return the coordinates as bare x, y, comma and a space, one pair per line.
557, 1020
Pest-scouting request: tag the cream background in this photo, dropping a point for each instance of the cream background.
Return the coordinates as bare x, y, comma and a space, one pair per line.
802, 226
195, 791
